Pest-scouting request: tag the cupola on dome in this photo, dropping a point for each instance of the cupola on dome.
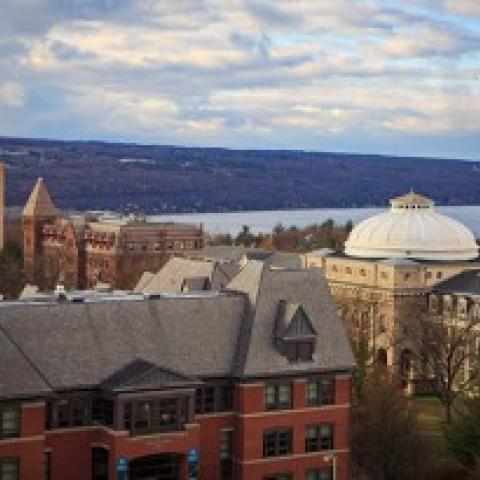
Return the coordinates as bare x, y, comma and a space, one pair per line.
412, 228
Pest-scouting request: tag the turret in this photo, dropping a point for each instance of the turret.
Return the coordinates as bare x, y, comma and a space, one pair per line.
38, 211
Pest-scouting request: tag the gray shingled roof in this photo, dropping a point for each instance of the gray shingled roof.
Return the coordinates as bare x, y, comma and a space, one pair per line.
80, 345
172, 276
467, 282
257, 355
57, 346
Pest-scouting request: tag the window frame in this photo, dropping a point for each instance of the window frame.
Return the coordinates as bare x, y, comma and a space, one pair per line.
226, 454
17, 411
317, 472
16, 462
324, 396
273, 442
277, 403
318, 443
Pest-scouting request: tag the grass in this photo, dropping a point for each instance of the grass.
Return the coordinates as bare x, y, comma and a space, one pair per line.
431, 418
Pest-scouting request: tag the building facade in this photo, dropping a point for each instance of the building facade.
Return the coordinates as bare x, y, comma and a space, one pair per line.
101, 389
392, 261
81, 250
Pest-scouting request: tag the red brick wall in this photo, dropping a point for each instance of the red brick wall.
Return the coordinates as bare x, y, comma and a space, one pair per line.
71, 448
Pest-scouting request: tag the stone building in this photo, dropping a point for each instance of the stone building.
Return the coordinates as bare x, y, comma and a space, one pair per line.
81, 250
391, 263
249, 384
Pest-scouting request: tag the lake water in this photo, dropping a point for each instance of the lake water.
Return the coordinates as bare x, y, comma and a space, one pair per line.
264, 221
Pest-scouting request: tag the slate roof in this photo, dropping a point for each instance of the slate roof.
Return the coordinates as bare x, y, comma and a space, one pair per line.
79, 345
139, 374
180, 273
467, 282
147, 343
257, 355
235, 253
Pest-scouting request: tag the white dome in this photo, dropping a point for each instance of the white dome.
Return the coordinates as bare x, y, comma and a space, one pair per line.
412, 229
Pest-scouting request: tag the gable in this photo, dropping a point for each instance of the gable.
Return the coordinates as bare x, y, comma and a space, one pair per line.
299, 325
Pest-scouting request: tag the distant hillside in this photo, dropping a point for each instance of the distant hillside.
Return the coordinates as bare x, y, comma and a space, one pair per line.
158, 179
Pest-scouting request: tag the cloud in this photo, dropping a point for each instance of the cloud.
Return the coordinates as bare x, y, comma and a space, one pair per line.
11, 95
296, 73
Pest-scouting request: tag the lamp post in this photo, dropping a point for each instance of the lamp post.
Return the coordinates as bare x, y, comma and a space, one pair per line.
332, 458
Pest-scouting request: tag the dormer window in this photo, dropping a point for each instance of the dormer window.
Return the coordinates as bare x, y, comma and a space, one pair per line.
299, 351
294, 333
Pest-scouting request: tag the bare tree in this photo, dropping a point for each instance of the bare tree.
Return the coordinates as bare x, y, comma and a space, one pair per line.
446, 354
386, 443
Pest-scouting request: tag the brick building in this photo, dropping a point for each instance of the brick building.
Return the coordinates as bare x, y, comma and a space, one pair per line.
80, 250
91, 388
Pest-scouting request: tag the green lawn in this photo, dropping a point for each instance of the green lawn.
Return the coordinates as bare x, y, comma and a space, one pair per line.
431, 417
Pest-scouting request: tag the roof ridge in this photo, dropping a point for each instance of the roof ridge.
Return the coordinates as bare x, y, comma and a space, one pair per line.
26, 357
254, 314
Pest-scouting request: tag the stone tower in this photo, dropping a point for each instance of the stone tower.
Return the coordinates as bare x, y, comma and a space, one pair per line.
2, 205
38, 211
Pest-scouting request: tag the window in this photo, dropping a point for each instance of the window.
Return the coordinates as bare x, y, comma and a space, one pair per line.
428, 275
348, 270
439, 275
278, 396
319, 474
319, 437
214, 398
299, 351
406, 276
205, 400
363, 272
277, 442
9, 469
102, 411
334, 268
72, 412
99, 463
159, 415
279, 476
47, 462
9, 421
384, 275
226, 454
226, 398
321, 392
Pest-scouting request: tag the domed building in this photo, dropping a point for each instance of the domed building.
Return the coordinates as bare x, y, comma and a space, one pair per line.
392, 263
412, 228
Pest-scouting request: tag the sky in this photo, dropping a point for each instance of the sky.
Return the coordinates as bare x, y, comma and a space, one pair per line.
371, 76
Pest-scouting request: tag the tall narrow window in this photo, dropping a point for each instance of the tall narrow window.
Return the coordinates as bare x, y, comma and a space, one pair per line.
205, 400
99, 463
47, 461
9, 421
226, 454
